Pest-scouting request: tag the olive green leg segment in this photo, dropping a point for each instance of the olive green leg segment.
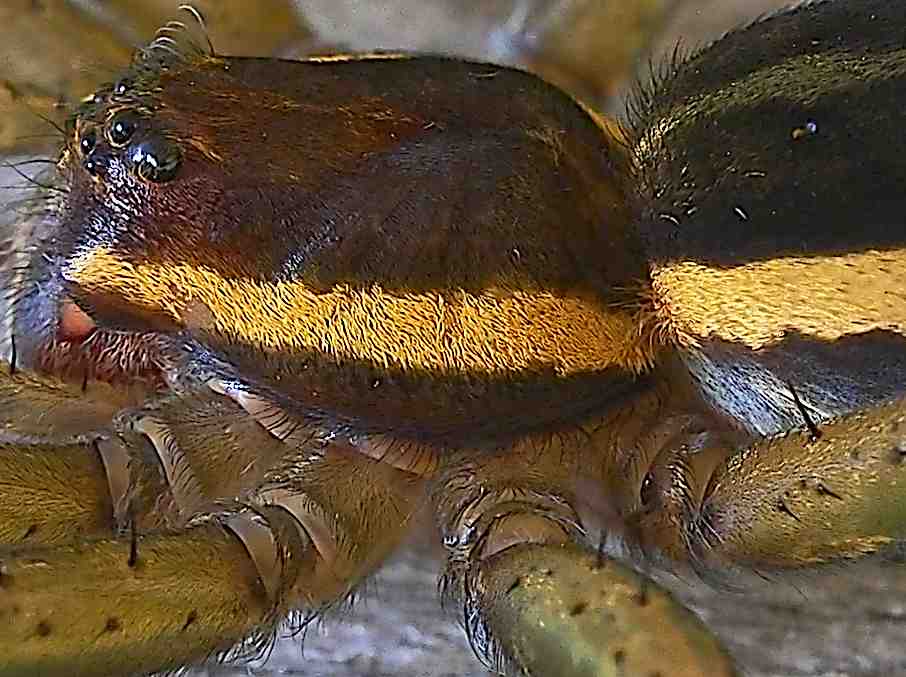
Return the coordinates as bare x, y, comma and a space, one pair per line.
92, 609
143, 603
60, 463
53, 493
538, 603
227, 530
80, 463
66, 475
796, 501
563, 611
45, 409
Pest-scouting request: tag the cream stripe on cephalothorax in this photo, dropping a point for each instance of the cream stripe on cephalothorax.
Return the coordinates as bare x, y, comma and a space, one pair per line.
495, 331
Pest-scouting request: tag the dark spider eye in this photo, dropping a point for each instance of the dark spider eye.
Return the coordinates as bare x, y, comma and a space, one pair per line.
122, 87
155, 159
122, 127
646, 493
93, 165
88, 142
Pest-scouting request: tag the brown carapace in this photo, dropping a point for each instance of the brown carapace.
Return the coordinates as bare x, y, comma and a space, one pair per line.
281, 304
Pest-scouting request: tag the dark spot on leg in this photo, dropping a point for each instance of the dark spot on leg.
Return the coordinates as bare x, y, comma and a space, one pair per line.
43, 629
133, 544
31, 531
112, 625
600, 557
6, 581
515, 584
814, 432
12, 355
782, 507
827, 491
642, 599
619, 657
897, 454
191, 618
578, 609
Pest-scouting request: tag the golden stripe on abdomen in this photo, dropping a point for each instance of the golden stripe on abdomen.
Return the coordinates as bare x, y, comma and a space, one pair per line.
756, 304
832, 329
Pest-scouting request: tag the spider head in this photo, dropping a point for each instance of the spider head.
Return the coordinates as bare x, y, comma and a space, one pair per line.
170, 168
109, 193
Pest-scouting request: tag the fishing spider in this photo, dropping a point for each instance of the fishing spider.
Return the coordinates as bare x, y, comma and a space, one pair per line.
275, 306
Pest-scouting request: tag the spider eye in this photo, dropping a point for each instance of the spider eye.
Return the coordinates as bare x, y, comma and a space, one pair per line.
647, 492
155, 159
122, 86
88, 142
121, 129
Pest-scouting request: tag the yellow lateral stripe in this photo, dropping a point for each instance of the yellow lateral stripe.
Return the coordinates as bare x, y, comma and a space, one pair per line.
825, 298
493, 332
358, 56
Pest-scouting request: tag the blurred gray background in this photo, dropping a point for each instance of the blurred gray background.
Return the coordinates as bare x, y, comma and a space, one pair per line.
852, 623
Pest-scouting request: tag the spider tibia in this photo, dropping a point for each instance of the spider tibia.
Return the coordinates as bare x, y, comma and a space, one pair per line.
560, 610
118, 607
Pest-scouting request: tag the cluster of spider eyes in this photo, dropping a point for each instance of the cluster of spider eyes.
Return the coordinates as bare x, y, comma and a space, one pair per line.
148, 153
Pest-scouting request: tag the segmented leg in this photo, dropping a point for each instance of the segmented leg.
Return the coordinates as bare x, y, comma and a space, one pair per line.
77, 461
61, 468
803, 499
53, 493
192, 571
534, 599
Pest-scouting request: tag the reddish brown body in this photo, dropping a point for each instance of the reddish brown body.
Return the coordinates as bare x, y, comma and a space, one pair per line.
282, 304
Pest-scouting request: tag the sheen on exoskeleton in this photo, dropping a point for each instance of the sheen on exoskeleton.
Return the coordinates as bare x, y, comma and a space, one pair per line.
279, 305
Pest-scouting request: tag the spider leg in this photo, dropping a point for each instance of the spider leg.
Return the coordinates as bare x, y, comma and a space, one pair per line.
202, 564
81, 609
78, 462
797, 500
61, 469
54, 493
535, 601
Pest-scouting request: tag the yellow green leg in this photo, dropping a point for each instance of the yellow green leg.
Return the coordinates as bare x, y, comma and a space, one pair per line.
793, 501
536, 601
85, 593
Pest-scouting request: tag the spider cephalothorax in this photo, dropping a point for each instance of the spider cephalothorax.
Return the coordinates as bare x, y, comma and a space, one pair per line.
280, 304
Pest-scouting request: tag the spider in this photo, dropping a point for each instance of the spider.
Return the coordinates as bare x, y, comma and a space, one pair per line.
276, 306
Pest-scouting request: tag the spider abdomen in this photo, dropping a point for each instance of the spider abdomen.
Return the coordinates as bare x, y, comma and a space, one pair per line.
771, 171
